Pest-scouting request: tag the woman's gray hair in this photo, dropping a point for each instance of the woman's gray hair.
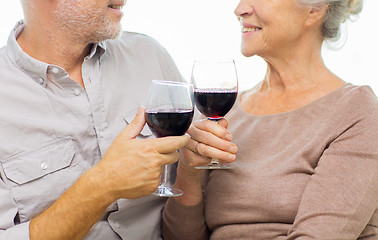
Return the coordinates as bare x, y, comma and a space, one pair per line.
337, 13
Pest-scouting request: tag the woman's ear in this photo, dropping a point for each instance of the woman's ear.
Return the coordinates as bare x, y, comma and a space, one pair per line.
316, 15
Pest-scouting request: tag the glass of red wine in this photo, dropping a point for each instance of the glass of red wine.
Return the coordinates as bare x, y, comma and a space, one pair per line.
215, 90
169, 112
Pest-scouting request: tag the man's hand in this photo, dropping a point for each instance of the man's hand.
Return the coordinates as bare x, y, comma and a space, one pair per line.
131, 168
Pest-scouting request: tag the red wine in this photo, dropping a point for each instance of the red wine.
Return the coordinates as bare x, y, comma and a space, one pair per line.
214, 104
166, 122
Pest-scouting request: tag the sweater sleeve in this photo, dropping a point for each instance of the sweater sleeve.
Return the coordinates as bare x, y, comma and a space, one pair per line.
342, 194
184, 223
181, 222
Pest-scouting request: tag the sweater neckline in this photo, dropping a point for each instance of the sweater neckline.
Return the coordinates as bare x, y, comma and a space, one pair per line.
297, 111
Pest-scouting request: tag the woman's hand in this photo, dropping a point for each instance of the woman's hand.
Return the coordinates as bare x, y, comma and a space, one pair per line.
208, 140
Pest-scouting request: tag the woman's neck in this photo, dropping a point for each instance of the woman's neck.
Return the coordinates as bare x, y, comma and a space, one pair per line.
291, 81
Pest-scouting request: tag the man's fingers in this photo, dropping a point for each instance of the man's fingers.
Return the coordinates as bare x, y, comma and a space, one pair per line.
136, 125
170, 144
170, 158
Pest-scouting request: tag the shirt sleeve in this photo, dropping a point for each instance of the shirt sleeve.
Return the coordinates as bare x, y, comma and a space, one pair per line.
18, 232
342, 194
8, 212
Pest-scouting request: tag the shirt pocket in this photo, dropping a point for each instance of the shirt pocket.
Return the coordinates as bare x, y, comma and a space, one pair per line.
145, 133
38, 177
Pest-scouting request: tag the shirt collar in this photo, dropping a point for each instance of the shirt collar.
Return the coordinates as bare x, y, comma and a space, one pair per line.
37, 70
99, 47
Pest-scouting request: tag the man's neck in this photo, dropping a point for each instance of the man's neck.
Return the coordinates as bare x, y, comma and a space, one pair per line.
55, 48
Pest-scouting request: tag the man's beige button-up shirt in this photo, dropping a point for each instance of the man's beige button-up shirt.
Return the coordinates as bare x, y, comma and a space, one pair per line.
52, 130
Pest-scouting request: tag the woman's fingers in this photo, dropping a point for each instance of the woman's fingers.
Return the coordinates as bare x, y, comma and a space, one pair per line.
218, 129
226, 152
211, 152
210, 135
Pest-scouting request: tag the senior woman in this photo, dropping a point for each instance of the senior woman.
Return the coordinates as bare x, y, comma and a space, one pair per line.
307, 164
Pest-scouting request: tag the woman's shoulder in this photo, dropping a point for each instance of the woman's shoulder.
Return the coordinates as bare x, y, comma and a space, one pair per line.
363, 91
357, 98
354, 106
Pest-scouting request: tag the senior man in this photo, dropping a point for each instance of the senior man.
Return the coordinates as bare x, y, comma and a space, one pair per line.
74, 162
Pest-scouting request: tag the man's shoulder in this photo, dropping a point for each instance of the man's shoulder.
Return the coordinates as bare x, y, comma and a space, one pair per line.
133, 40
127, 35
3, 56
9, 69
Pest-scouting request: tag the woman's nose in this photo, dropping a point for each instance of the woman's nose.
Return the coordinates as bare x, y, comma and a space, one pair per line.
243, 9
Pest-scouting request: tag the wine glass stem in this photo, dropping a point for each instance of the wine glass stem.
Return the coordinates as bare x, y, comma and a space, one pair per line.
164, 176
214, 160
215, 119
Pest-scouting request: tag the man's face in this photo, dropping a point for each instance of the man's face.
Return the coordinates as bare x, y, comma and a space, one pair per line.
90, 20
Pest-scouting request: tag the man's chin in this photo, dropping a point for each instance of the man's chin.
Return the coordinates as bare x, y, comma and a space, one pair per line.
109, 35
118, 34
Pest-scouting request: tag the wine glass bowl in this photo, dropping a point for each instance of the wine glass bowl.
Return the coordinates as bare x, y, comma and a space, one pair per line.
169, 112
215, 86
214, 103
165, 122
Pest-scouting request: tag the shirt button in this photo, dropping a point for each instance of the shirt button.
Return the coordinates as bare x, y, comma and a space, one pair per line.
41, 80
55, 70
101, 134
116, 224
77, 91
44, 166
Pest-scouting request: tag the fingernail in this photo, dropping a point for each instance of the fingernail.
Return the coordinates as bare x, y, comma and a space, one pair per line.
231, 157
229, 137
141, 109
233, 149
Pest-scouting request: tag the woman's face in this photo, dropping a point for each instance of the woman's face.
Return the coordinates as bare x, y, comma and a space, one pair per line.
270, 27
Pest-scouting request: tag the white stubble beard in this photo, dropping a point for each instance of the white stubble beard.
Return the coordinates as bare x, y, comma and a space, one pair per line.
88, 25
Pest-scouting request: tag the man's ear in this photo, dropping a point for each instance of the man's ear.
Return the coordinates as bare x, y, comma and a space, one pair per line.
316, 15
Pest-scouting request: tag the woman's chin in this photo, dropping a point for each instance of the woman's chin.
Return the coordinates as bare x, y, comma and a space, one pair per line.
247, 53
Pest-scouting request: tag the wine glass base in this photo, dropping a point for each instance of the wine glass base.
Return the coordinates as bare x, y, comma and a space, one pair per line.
163, 191
216, 166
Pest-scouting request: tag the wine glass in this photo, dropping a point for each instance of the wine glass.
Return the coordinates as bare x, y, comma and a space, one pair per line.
215, 90
169, 112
